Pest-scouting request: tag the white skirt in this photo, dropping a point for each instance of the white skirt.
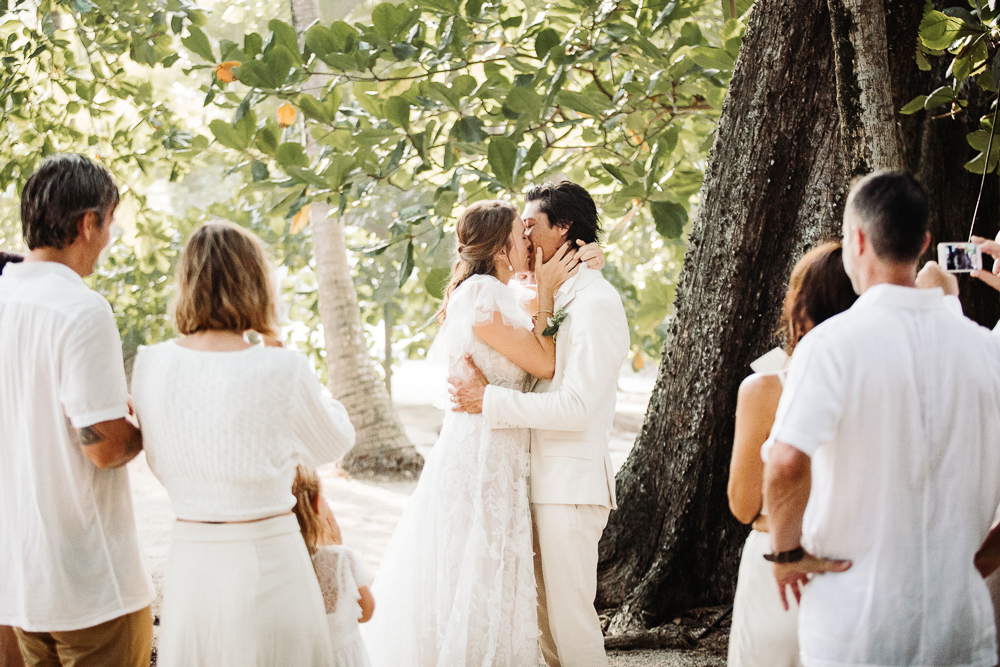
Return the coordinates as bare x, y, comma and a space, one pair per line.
763, 634
242, 595
348, 649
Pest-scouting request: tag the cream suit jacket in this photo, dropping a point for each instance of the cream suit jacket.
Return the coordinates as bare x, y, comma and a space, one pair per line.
570, 417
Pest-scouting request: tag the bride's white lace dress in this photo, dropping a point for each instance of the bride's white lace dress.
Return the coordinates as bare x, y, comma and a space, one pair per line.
456, 586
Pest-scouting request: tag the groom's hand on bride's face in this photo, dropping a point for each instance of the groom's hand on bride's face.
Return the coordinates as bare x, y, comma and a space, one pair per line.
467, 393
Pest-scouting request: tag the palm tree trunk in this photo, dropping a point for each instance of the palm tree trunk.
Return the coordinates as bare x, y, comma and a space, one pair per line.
382, 447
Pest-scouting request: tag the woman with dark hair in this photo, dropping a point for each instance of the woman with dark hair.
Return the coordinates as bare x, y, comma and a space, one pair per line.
9, 258
456, 586
763, 633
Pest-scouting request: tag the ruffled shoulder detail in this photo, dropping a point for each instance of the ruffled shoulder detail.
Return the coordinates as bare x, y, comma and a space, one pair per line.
477, 301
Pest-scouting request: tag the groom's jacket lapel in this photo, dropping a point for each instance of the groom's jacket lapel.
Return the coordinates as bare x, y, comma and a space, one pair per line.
585, 277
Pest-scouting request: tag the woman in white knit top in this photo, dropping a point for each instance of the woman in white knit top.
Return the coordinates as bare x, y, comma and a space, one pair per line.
225, 423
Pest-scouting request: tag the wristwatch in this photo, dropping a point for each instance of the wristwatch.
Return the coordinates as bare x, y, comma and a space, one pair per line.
793, 556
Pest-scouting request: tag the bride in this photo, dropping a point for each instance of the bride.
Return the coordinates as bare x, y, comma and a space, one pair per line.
456, 587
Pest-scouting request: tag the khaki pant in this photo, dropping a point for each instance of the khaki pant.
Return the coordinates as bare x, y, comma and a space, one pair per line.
566, 538
126, 641
10, 652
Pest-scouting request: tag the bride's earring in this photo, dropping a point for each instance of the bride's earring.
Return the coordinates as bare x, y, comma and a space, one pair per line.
509, 265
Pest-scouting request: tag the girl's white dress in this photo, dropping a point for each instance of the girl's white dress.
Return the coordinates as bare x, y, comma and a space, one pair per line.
341, 573
456, 587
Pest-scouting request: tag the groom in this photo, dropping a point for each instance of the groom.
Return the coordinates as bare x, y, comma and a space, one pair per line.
572, 481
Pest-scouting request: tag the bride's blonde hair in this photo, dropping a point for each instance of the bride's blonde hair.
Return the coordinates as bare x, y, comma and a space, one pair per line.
483, 231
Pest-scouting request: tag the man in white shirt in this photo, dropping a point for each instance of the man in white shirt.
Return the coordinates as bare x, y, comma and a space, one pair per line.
572, 480
72, 578
881, 475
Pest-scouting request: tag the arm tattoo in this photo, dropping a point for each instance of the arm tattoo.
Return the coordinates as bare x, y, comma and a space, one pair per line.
90, 436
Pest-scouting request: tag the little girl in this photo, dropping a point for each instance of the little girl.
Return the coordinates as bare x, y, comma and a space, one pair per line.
343, 578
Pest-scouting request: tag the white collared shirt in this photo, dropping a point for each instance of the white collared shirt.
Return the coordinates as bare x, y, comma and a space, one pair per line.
897, 402
69, 551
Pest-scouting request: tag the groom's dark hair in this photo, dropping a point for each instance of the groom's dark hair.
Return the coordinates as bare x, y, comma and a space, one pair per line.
570, 206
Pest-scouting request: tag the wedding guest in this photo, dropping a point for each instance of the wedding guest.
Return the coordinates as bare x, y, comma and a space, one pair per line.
226, 423
887, 430
343, 578
10, 652
73, 584
763, 633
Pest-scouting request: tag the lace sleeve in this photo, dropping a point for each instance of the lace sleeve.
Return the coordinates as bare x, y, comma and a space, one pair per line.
362, 575
340, 574
477, 301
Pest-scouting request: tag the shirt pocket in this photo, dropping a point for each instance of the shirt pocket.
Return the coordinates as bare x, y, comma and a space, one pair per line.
571, 444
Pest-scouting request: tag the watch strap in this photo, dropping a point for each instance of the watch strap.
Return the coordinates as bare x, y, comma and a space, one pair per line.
793, 556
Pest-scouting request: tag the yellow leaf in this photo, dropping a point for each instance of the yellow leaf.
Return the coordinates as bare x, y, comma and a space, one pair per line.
300, 219
286, 115
224, 71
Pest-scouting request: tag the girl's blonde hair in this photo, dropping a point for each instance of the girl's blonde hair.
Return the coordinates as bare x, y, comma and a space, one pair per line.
224, 283
306, 489
483, 231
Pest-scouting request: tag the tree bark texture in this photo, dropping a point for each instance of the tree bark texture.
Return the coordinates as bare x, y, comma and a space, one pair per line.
776, 184
864, 87
382, 446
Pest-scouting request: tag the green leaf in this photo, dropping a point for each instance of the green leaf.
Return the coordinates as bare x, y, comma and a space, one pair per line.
524, 100
502, 155
267, 139
390, 20
914, 105
545, 41
198, 42
942, 95
313, 108
436, 282
320, 40
708, 57
340, 167
581, 103
256, 74
938, 30
291, 154
616, 172
669, 217
258, 170
228, 136
280, 61
283, 35
252, 45
469, 129
397, 111
407, 269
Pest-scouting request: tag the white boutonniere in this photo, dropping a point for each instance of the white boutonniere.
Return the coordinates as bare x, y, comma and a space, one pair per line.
554, 323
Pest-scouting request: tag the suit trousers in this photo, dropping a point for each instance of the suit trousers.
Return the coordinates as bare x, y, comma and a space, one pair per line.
126, 641
565, 545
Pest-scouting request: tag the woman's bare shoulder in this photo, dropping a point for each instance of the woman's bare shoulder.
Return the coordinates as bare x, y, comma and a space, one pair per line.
760, 388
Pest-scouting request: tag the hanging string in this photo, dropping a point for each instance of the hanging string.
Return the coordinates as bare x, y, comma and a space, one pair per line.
986, 168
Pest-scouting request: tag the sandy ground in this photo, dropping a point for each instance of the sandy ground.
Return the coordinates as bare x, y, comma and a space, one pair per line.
368, 510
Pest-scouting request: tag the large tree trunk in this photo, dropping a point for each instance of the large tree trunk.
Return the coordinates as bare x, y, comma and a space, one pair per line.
382, 446
773, 186
864, 86
775, 183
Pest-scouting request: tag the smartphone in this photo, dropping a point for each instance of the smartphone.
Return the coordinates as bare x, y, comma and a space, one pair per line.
960, 257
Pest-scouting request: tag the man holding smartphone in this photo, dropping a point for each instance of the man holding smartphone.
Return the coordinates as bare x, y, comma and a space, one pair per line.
888, 431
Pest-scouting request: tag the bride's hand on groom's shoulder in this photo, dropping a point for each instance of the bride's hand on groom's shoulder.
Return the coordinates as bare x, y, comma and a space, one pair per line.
590, 254
467, 393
